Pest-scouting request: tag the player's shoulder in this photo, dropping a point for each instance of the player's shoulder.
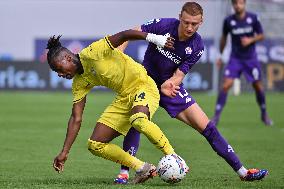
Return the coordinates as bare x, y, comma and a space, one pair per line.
230, 17
162, 21
252, 14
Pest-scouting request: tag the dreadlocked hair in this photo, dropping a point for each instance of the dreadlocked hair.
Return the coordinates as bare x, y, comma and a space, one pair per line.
54, 47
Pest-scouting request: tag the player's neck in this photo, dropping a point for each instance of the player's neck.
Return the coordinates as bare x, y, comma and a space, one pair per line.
241, 15
80, 69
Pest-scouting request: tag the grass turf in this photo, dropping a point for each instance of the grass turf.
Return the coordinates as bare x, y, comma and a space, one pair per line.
33, 127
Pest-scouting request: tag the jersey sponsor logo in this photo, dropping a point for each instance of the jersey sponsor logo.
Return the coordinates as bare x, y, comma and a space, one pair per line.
244, 30
188, 50
173, 57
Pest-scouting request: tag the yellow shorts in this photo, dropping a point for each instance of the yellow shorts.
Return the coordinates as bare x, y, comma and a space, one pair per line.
117, 114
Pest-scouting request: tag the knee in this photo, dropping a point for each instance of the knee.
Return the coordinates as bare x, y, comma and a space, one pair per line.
138, 121
95, 147
226, 87
258, 87
210, 131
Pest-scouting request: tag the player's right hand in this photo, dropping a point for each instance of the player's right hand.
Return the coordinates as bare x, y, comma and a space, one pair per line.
58, 163
219, 63
169, 89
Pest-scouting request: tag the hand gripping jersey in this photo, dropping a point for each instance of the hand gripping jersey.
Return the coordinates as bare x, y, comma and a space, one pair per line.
161, 63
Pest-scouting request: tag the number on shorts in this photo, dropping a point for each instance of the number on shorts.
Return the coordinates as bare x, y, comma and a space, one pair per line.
183, 95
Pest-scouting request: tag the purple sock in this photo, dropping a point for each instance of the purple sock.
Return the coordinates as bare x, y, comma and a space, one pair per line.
260, 98
131, 143
221, 101
220, 145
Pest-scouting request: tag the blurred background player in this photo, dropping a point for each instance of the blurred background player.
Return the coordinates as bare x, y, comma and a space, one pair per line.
100, 64
168, 69
245, 30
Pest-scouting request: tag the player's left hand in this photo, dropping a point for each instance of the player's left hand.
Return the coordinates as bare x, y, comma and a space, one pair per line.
58, 163
169, 89
246, 41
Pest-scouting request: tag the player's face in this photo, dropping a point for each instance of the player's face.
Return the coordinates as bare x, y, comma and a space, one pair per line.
65, 67
188, 24
239, 6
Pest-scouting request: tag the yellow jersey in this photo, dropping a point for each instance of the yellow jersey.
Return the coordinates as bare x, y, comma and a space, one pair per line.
107, 66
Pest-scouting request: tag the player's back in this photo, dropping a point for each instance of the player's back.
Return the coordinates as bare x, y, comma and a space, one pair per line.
106, 66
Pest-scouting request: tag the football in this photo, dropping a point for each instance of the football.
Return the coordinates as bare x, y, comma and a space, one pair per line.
172, 168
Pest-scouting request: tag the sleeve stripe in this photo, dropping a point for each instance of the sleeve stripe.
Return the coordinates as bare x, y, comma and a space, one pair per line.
75, 101
108, 42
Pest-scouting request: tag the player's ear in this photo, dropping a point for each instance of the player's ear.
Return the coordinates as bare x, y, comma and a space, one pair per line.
201, 22
179, 16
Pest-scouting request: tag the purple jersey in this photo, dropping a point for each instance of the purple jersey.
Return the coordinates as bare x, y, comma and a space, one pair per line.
249, 26
161, 63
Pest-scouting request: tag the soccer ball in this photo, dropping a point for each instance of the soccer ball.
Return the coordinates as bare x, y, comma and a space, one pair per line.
172, 168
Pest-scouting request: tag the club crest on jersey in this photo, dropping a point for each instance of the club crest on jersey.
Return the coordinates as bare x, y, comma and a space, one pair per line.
233, 22
188, 50
249, 20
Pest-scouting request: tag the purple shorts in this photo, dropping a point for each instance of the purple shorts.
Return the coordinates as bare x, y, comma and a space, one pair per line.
177, 104
250, 67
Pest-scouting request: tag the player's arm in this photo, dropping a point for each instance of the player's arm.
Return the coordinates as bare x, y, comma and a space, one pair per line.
171, 86
223, 41
246, 41
129, 35
222, 45
125, 44
74, 125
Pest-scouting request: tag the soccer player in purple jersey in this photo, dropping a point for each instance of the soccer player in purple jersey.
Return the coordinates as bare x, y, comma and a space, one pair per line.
168, 68
245, 30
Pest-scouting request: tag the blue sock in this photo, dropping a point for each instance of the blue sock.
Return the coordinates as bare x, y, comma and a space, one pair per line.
131, 143
260, 98
221, 101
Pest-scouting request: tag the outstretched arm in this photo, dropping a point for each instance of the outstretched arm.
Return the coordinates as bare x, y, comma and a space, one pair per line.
125, 44
129, 35
74, 125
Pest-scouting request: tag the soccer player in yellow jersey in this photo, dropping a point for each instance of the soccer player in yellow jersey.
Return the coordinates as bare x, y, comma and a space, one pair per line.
101, 64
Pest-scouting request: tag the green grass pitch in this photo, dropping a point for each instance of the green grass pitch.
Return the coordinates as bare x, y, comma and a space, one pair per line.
33, 127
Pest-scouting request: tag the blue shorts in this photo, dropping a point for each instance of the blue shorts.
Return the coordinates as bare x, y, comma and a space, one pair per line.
250, 68
177, 104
